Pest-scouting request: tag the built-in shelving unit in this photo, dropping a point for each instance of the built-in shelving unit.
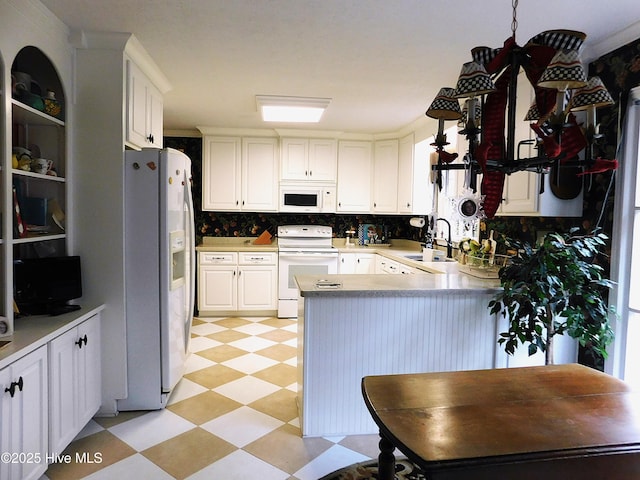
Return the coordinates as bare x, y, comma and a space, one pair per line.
34, 176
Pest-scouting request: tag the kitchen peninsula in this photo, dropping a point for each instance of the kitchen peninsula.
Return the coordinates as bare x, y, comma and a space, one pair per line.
351, 326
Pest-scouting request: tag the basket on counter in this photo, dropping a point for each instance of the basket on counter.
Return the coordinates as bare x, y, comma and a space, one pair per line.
483, 266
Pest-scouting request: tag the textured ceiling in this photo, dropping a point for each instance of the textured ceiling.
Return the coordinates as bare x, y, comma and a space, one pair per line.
381, 61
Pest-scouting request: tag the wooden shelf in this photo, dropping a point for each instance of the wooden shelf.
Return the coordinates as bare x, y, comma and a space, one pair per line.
39, 237
26, 114
52, 178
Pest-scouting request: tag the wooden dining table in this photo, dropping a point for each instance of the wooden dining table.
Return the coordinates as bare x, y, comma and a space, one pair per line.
556, 422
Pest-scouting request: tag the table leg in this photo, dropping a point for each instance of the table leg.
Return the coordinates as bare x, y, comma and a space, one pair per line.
386, 459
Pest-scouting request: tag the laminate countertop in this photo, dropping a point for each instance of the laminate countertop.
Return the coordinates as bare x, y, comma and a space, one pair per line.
377, 285
32, 332
235, 244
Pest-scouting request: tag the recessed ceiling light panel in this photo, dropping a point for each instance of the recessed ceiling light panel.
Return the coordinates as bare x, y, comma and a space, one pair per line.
291, 109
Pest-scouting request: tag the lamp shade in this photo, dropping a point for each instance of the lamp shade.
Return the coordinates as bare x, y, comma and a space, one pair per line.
533, 113
593, 94
564, 72
473, 80
445, 106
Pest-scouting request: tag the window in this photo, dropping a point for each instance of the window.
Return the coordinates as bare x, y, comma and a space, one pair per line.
624, 360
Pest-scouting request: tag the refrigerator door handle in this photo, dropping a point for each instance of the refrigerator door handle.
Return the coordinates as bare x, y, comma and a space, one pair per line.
191, 246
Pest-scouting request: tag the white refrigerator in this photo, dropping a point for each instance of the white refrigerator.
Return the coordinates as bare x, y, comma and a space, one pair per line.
160, 274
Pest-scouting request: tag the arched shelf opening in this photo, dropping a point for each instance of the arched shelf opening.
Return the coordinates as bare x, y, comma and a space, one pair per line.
36, 83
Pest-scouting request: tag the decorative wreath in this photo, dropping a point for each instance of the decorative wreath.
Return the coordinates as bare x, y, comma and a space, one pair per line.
467, 208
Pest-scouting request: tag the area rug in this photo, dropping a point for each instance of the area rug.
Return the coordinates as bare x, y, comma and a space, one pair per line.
405, 470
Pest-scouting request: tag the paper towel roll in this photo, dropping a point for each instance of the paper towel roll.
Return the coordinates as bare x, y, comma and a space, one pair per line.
417, 222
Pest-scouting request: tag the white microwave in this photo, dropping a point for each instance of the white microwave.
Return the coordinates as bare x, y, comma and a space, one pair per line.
300, 198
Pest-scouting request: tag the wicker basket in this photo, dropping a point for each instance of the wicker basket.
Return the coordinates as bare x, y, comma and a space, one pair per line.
486, 266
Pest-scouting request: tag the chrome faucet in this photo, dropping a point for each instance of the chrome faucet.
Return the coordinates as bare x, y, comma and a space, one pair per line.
449, 243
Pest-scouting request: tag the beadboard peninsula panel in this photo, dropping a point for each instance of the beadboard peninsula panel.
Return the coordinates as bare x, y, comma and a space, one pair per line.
346, 338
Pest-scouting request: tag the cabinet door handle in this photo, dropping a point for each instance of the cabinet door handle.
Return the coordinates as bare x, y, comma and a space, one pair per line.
150, 138
12, 388
311, 173
306, 174
80, 340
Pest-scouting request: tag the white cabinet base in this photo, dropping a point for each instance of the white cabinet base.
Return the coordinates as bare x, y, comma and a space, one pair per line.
233, 283
24, 416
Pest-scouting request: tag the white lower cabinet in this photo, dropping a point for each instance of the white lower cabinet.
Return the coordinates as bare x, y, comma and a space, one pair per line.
217, 283
407, 270
357, 263
74, 382
383, 264
386, 265
237, 281
24, 417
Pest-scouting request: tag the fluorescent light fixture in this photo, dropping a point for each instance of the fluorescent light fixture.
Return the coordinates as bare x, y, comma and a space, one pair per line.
291, 109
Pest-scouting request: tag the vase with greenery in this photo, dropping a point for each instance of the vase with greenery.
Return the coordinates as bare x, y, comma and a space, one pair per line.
554, 288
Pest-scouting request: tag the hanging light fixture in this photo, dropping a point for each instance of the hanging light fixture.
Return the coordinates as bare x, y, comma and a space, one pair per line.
444, 107
473, 81
588, 98
489, 83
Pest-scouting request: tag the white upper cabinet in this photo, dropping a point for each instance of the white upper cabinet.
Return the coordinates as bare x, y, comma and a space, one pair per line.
144, 109
240, 174
260, 174
414, 187
221, 163
354, 176
323, 160
309, 160
385, 177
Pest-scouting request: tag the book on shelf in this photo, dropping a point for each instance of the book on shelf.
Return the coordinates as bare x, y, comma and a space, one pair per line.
19, 226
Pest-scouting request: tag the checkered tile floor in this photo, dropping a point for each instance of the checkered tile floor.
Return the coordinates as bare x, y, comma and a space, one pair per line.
232, 416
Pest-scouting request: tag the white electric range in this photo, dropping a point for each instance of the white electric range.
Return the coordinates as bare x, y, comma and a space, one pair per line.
302, 250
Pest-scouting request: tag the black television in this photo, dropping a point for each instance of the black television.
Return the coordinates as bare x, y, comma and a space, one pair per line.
46, 285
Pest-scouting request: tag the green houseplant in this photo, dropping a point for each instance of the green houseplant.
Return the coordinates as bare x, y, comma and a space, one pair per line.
553, 289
